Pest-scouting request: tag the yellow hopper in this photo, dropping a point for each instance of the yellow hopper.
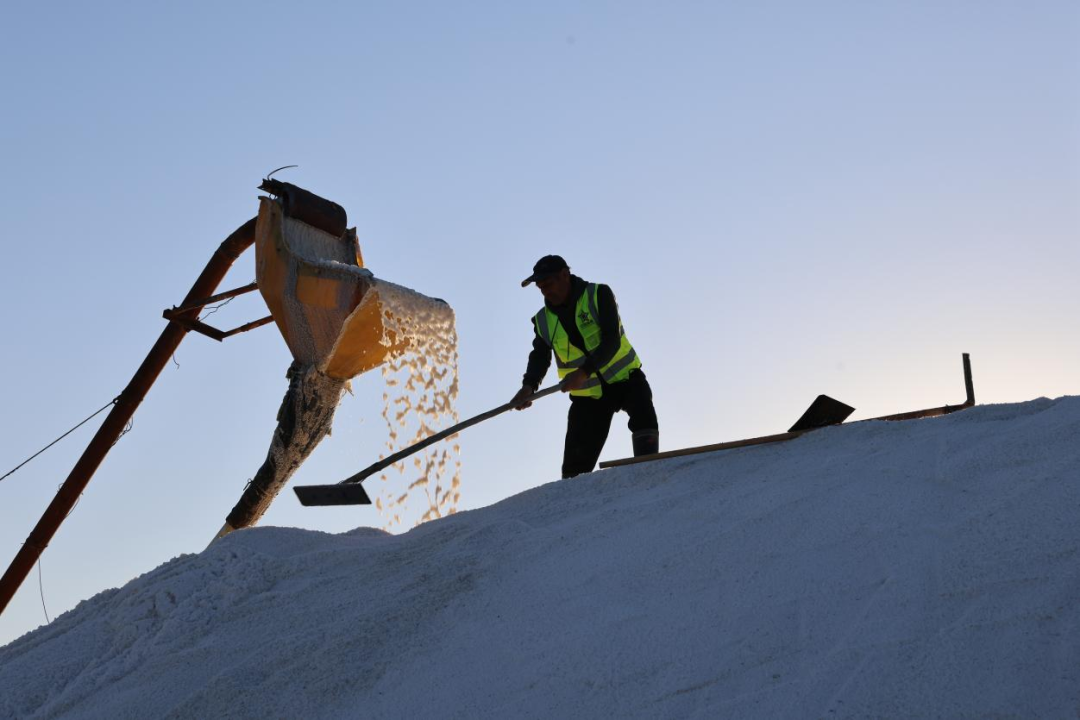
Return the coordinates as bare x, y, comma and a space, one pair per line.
311, 274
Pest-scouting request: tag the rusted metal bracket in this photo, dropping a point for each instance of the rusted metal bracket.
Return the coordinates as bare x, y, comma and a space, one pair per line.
931, 412
199, 304
184, 315
212, 332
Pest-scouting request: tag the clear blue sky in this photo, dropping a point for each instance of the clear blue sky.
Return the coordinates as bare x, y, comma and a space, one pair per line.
787, 198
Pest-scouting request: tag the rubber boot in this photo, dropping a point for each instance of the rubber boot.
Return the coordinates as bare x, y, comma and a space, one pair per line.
646, 442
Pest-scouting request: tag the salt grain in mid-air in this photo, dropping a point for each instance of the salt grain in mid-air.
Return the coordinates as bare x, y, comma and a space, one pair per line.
421, 386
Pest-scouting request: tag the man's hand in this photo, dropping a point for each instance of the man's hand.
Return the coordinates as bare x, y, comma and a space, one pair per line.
520, 400
575, 380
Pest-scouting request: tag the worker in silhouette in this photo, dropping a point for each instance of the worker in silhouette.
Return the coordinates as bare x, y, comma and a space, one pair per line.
580, 324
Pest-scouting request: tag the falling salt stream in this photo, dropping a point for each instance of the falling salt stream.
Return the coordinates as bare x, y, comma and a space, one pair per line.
421, 387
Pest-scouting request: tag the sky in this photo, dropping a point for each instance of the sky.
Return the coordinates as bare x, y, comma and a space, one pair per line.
787, 199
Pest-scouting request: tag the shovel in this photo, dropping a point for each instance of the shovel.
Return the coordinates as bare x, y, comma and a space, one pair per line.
350, 492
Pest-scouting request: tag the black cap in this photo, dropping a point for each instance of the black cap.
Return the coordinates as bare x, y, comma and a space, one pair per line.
545, 267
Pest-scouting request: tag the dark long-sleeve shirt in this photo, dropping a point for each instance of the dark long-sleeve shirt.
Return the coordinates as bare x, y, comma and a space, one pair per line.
610, 338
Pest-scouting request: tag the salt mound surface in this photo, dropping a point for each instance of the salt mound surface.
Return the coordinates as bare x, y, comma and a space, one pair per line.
925, 568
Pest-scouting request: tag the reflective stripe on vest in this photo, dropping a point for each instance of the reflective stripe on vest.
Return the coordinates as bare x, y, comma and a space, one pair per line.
569, 357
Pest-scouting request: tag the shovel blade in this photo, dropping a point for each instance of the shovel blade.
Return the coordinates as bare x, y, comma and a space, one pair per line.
822, 412
337, 494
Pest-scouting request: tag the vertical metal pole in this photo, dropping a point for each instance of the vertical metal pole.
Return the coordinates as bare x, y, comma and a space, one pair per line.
117, 419
968, 383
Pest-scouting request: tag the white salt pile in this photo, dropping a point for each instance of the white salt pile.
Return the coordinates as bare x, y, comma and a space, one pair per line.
422, 385
918, 569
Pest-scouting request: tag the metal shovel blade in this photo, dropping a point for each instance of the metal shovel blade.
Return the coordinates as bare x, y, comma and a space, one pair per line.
337, 494
822, 412
349, 491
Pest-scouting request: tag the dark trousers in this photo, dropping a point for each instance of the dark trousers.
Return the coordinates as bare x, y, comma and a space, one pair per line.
589, 420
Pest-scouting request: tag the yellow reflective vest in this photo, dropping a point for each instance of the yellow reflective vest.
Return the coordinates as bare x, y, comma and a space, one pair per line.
569, 357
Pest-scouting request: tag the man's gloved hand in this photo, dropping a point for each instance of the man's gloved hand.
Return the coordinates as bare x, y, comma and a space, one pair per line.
575, 380
519, 400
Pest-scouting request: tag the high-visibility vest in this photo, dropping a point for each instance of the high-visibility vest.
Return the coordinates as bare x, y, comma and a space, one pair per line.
569, 357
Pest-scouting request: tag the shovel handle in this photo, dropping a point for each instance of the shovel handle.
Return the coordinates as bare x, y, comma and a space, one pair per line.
432, 439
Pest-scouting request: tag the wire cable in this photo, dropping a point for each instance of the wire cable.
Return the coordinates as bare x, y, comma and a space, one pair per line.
214, 308
12, 471
41, 590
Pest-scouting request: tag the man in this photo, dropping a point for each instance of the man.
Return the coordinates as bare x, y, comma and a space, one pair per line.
580, 324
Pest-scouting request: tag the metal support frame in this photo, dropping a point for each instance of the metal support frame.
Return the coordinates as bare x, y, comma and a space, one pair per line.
113, 426
187, 315
213, 333
931, 412
200, 304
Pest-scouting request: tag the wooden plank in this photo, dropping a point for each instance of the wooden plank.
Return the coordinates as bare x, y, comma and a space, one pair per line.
705, 448
969, 388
